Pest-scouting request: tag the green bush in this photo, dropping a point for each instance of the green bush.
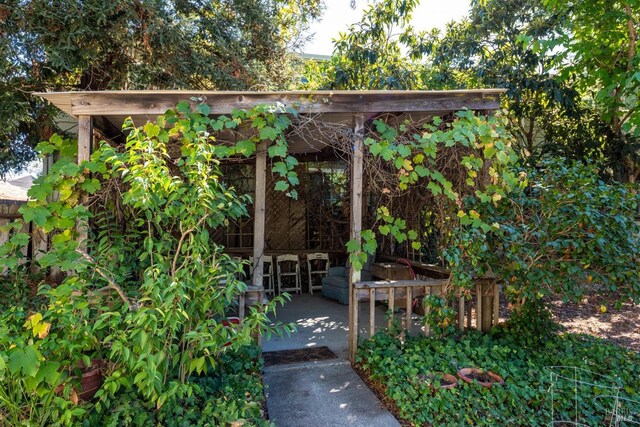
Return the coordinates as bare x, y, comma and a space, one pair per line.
232, 393
567, 233
525, 398
149, 292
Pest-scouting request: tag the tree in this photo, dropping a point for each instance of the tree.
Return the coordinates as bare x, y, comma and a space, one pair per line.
379, 52
159, 44
601, 59
492, 48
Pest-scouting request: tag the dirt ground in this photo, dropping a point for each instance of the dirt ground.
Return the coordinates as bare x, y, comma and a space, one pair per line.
621, 326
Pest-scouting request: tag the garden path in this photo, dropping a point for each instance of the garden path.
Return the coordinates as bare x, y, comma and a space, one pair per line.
320, 394
325, 393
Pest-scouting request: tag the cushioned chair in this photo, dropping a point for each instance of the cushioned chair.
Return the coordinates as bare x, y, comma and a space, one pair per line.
336, 284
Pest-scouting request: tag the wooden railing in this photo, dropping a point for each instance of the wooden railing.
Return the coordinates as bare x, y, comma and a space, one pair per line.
486, 293
252, 296
389, 291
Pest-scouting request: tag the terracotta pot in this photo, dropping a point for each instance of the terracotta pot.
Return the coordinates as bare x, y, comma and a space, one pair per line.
484, 378
447, 381
90, 383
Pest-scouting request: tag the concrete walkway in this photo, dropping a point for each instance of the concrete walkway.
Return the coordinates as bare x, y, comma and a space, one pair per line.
326, 393
322, 394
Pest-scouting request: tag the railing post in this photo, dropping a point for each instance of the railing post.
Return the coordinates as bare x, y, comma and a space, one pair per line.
241, 301
372, 312
461, 310
408, 301
496, 303
354, 307
391, 302
427, 310
479, 307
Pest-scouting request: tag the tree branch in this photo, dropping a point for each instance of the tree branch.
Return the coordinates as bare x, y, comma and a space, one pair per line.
111, 284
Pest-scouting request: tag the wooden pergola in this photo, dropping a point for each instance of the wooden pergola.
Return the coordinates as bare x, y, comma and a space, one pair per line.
106, 111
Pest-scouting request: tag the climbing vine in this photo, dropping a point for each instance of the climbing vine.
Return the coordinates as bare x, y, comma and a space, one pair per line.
479, 146
148, 291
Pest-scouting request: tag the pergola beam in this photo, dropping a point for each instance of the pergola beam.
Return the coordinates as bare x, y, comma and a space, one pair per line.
126, 103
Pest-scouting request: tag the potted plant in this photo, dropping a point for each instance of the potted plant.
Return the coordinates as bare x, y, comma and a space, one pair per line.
439, 380
484, 378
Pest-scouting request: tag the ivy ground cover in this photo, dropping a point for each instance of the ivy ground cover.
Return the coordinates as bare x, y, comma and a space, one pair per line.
567, 377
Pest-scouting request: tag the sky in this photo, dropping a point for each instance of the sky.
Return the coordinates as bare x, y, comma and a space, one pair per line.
338, 16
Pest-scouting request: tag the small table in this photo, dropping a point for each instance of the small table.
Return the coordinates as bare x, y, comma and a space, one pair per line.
391, 271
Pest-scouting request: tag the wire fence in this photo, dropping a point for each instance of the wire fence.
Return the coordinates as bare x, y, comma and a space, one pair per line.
582, 397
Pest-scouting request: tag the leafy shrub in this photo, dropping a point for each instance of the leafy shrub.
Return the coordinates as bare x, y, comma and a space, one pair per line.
232, 393
566, 233
524, 399
149, 294
440, 316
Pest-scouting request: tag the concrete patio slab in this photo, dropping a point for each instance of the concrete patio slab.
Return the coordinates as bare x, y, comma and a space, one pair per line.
322, 322
328, 393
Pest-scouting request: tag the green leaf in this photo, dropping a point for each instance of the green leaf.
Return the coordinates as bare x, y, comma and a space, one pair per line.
24, 361
282, 186
246, 147
151, 129
91, 185
268, 132
49, 373
280, 168
404, 150
435, 188
183, 107
353, 246
370, 246
203, 109
70, 168
40, 191
37, 214
277, 150
421, 171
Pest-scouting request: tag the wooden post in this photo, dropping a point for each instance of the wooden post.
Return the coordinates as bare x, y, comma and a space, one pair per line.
479, 307
496, 303
85, 142
354, 309
427, 310
391, 301
461, 310
259, 213
487, 316
356, 222
261, 307
408, 301
372, 312
241, 304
